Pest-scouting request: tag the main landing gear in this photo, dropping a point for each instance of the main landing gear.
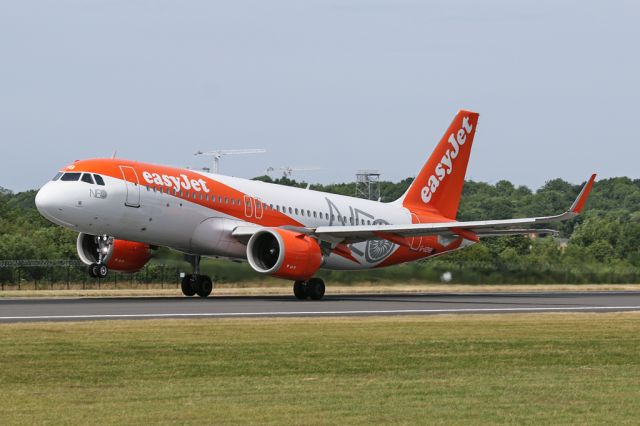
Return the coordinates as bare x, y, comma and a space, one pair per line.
311, 289
195, 283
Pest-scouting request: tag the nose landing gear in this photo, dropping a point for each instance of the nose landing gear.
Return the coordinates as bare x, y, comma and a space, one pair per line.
102, 245
195, 283
98, 270
311, 289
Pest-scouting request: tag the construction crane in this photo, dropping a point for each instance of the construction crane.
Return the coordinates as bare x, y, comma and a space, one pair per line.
220, 152
287, 171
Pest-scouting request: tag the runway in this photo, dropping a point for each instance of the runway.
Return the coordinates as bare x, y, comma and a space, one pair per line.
83, 309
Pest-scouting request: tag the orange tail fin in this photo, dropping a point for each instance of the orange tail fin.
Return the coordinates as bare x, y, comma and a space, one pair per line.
439, 185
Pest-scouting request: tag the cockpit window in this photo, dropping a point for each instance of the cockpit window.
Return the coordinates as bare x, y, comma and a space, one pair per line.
99, 180
57, 176
87, 178
70, 177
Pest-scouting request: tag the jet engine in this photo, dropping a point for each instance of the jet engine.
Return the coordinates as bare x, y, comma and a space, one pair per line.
284, 254
118, 255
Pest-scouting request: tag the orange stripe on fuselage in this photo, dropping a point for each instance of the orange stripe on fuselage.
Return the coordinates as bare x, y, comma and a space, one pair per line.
111, 168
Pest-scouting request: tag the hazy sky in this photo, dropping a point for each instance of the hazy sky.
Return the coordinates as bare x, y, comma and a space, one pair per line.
338, 84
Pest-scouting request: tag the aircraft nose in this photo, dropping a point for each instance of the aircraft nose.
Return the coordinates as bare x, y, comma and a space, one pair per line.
52, 203
48, 202
44, 200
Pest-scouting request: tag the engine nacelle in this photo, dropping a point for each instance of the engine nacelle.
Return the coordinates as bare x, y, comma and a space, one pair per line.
284, 254
118, 255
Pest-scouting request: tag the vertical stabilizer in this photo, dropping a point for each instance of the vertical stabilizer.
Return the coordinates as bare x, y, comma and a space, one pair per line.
438, 186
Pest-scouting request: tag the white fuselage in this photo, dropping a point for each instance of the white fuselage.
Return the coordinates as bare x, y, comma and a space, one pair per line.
146, 213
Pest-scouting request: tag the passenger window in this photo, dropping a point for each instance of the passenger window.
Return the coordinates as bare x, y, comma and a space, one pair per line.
57, 176
302, 212
70, 177
297, 211
99, 180
315, 214
309, 213
290, 210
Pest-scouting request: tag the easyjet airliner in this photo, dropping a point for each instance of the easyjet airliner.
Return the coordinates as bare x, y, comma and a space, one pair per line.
123, 209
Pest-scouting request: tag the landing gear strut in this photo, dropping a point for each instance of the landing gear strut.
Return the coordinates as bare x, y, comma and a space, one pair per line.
195, 283
311, 289
99, 269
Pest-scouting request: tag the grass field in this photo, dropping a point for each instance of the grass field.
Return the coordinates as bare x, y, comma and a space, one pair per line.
524, 369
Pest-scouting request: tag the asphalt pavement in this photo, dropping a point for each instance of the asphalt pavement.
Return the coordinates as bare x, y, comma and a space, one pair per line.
105, 308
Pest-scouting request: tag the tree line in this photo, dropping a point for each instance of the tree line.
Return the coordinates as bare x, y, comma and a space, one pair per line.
599, 246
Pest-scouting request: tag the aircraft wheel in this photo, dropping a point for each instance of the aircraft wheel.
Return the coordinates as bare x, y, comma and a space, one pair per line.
93, 270
98, 270
300, 290
203, 286
102, 271
315, 288
188, 285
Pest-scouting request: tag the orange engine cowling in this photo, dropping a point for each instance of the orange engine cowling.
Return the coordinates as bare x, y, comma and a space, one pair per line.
284, 254
118, 255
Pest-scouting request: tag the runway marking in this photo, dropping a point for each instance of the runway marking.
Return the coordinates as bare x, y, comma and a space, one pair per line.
323, 313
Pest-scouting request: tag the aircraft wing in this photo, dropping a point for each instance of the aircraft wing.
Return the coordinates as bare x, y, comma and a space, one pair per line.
472, 230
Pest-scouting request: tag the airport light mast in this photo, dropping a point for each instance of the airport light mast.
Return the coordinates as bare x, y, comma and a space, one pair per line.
217, 154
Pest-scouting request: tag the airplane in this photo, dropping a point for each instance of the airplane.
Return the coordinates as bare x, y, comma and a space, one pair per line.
124, 209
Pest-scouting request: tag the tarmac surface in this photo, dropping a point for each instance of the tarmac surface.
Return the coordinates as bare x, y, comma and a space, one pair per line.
89, 308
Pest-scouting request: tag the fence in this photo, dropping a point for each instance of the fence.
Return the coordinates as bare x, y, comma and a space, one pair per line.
67, 274
40, 274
